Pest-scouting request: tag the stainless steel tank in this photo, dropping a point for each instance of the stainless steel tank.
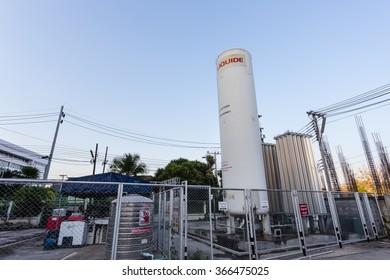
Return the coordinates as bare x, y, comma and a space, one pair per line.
135, 228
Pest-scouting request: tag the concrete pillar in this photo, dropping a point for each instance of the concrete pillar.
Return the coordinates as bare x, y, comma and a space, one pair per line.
230, 225
265, 219
322, 223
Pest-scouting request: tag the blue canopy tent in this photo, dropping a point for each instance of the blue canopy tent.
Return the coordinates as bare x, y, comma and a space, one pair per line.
83, 190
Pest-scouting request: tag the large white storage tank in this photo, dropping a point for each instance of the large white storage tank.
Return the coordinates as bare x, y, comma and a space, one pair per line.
241, 149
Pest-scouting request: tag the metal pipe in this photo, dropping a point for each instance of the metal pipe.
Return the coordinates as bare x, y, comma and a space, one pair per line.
148, 255
117, 222
248, 229
185, 220
170, 224
164, 206
211, 227
181, 217
159, 219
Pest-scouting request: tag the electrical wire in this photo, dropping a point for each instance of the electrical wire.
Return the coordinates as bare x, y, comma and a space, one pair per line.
67, 155
138, 139
342, 107
136, 135
52, 121
359, 98
331, 121
29, 116
356, 104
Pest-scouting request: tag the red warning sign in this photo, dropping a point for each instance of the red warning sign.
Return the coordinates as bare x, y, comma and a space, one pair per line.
304, 209
144, 217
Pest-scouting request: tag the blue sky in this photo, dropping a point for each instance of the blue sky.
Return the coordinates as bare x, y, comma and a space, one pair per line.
148, 67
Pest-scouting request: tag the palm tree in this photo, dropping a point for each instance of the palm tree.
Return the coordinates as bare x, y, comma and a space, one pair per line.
30, 172
128, 164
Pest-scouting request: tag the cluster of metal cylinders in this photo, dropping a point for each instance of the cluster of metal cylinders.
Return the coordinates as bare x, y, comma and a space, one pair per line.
272, 174
290, 165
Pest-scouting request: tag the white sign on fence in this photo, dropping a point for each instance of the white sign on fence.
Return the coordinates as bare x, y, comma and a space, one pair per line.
222, 206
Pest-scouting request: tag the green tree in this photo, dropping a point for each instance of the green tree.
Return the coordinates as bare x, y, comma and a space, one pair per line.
11, 174
30, 172
128, 164
8, 189
30, 200
210, 161
195, 172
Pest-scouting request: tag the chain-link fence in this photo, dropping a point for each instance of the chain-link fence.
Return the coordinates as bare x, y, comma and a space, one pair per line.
111, 220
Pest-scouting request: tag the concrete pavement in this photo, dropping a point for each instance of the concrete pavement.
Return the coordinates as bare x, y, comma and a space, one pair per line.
28, 245
372, 250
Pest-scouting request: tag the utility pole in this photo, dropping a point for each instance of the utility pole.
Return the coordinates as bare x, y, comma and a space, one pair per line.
319, 133
105, 159
60, 120
94, 159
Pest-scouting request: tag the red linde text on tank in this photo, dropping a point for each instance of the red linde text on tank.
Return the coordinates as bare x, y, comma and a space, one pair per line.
229, 61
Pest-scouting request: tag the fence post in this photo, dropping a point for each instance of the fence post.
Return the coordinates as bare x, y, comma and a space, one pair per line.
9, 211
381, 214
211, 227
185, 197
335, 218
181, 226
159, 220
164, 210
298, 220
170, 224
361, 214
114, 244
370, 215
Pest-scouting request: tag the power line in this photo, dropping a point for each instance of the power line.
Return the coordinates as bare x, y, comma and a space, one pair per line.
14, 123
23, 116
352, 115
367, 96
138, 139
358, 108
348, 106
135, 135
99, 127
75, 156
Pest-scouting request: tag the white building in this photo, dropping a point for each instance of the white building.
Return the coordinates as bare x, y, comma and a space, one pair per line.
14, 158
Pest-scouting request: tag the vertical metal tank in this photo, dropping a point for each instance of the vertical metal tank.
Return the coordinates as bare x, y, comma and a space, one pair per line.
135, 228
298, 170
241, 151
272, 173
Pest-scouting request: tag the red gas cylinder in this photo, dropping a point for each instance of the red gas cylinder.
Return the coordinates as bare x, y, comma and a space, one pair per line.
54, 222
